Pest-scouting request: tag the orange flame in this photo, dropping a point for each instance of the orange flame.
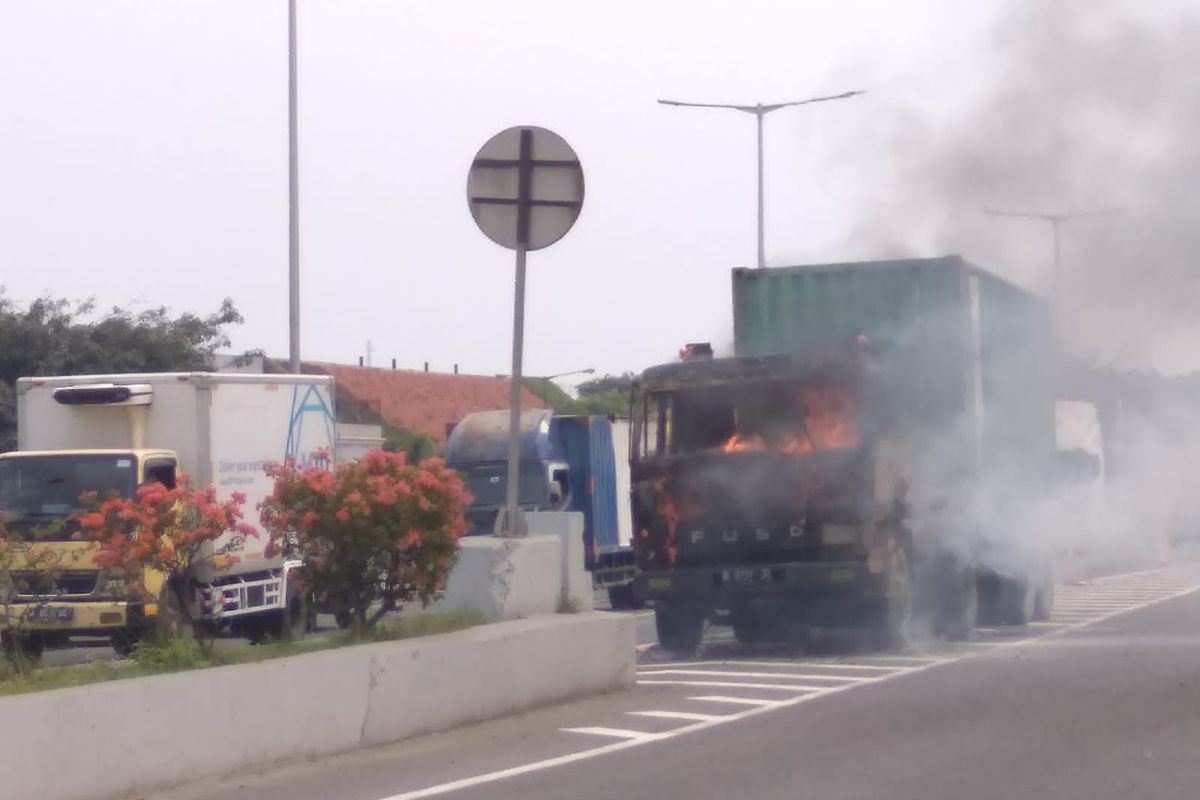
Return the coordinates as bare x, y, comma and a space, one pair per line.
670, 515
830, 422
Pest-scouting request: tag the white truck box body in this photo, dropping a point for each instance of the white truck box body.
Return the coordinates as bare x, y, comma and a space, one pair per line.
224, 427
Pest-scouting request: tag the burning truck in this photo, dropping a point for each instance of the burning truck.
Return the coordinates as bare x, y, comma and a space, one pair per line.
873, 456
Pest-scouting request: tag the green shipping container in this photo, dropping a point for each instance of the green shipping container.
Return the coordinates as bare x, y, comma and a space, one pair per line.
969, 352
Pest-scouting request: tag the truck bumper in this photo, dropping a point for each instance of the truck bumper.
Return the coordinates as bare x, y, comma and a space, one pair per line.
810, 585
95, 618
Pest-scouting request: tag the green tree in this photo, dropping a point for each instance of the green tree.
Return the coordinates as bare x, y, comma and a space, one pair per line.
605, 395
52, 336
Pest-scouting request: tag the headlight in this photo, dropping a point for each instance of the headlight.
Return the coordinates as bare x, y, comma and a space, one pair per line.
834, 535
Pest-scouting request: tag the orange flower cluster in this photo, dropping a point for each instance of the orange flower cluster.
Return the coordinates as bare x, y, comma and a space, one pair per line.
162, 529
373, 533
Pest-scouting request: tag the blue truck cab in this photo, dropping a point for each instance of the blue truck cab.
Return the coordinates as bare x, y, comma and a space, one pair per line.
568, 463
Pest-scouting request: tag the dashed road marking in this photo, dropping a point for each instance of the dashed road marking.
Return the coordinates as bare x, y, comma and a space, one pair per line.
891, 667
739, 701
740, 674
690, 716
785, 687
616, 733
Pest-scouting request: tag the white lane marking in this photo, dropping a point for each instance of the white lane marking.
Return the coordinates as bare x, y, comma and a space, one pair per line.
740, 674
686, 715
618, 733
740, 701
839, 665
1047, 624
778, 664
909, 661
786, 687
758, 707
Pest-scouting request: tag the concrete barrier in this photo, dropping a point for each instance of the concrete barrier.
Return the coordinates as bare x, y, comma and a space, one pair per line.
110, 739
576, 581
505, 578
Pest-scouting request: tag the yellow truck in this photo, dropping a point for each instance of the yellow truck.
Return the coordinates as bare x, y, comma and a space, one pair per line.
113, 433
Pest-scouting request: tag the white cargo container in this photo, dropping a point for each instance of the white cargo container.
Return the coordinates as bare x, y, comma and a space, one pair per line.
116, 431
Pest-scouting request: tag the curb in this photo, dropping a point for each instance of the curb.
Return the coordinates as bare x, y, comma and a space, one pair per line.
144, 734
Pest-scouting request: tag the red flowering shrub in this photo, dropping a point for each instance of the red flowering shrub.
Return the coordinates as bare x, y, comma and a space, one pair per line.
169, 531
374, 534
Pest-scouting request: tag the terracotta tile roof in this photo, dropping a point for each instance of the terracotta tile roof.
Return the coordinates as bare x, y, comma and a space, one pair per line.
424, 402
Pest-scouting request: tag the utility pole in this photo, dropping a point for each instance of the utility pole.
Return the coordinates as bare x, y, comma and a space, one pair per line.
293, 200
759, 111
1056, 221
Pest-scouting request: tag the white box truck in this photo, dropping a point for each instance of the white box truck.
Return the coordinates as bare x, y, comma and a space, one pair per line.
115, 432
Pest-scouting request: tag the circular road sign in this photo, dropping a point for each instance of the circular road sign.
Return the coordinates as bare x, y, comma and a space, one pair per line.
525, 188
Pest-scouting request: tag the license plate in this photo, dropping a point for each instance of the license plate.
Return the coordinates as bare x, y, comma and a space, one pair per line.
747, 576
51, 614
660, 584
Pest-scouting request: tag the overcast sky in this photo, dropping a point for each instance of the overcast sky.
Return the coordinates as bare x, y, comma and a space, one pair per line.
143, 160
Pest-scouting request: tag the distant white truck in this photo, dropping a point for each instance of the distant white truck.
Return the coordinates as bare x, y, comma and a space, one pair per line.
1082, 475
115, 432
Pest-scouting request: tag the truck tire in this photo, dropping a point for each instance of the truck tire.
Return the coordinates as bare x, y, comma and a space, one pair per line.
679, 627
960, 609
622, 598
1044, 602
748, 627
124, 642
1017, 601
894, 627
27, 646
288, 625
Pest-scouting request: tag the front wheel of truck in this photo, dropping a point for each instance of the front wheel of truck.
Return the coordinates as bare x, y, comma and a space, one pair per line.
679, 627
961, 609
623, 598
894, 628
28, 647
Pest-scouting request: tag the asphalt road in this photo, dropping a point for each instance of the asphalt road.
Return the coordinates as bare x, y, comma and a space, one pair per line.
1101, 702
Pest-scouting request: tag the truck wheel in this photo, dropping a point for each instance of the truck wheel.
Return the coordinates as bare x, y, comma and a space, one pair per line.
748, 627
1044, 602
961, 608
1018, 601
896, 615
621, 598
288, 625
27, 646
679, 628
125, 642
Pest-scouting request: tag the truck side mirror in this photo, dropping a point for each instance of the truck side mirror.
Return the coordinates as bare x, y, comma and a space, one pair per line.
559, 487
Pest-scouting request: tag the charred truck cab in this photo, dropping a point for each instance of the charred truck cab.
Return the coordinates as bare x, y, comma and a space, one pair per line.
764, 488
873, 457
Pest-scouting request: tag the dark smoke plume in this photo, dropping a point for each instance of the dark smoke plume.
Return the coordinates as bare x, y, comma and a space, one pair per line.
1090, 104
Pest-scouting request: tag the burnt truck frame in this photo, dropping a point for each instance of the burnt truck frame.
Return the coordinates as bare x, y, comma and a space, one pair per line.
779, 539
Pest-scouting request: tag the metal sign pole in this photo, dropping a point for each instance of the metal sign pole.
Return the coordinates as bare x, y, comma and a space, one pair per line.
514, 215
512, 526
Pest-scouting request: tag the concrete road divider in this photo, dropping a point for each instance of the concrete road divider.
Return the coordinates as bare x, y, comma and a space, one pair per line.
111, 739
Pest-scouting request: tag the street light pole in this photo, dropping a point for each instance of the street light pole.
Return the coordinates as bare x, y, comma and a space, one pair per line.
762, 247
293, 200
546, 381
1056, 222
759, 110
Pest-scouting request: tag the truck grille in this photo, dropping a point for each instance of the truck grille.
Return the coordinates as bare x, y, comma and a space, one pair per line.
79, 582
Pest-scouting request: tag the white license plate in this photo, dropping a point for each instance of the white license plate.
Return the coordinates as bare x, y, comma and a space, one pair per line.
52, 614
747, 576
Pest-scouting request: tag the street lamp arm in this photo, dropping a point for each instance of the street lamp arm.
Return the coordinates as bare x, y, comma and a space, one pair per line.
822, 99
684, 104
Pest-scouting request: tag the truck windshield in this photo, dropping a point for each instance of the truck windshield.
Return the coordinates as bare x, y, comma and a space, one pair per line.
778, 416
44, 489
486, 483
